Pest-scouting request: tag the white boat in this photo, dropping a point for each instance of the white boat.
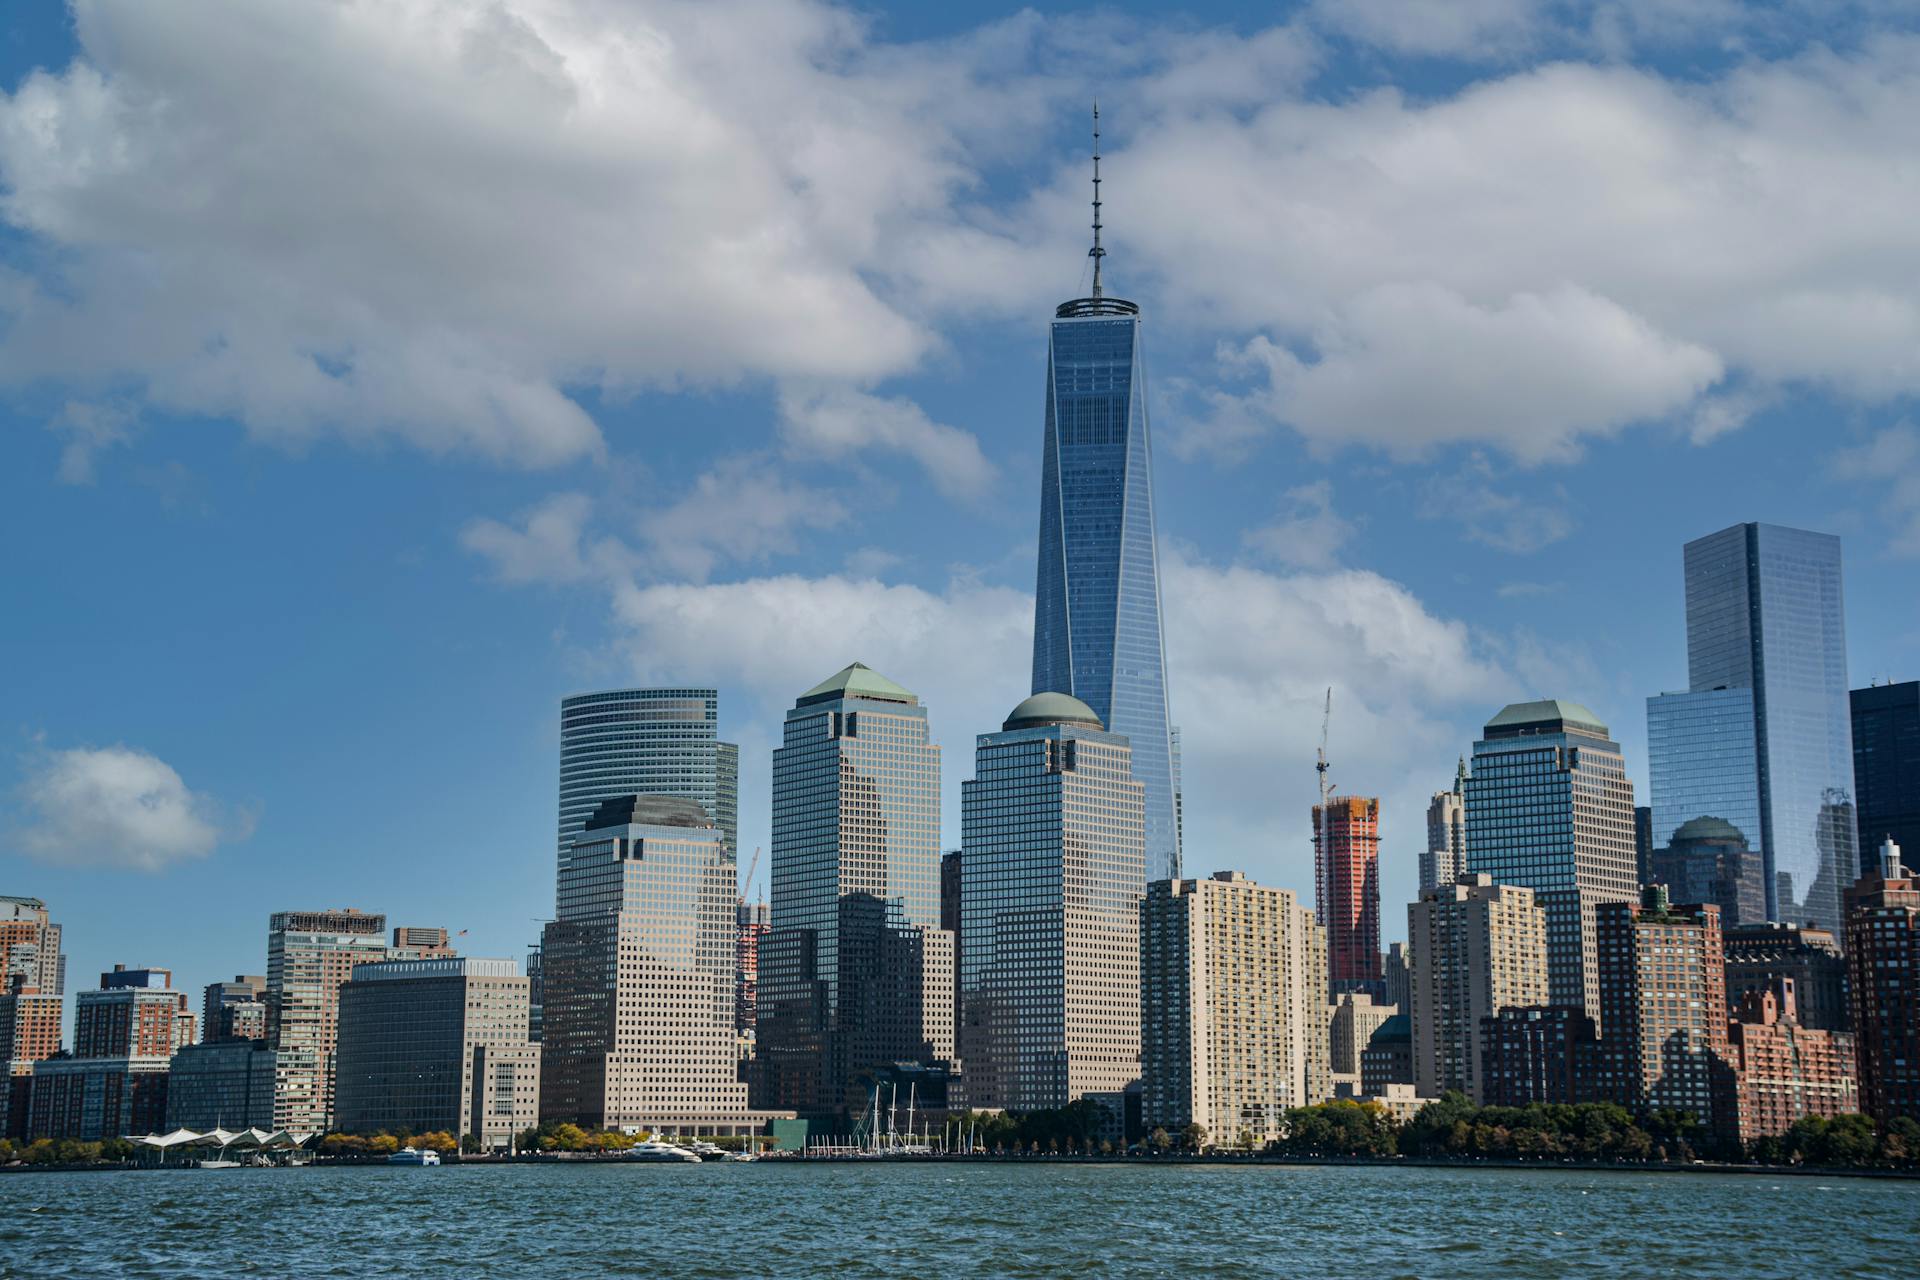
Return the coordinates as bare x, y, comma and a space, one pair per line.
704, 1149
217, 1164
411, 1155
660, 1153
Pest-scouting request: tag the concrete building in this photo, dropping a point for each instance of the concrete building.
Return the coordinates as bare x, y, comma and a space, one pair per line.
1053, 871
1397, 975
30, 946
1535, 1053
647, 742
115, 1082
1643, 841
235, 1010
1785, 1071
1708, 860
29, 1032
856, 893
1478, 947
1444, 859
422, 1040
420, 942
1663, 1024
1549, 808
1351, 1021
640, 975
1757, 954
1233, 1020
1387, 1060
221, 1084
1346, 891
310, 955
1883, 959
1886, 767
135, 1012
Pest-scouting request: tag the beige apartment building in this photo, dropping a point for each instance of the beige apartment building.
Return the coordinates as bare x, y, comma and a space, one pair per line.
310, 955
1351, 1021
1233, 1014
1478, 948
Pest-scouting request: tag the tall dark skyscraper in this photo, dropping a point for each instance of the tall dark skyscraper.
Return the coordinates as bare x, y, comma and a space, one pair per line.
1096, 615
1886, 768
1762, 737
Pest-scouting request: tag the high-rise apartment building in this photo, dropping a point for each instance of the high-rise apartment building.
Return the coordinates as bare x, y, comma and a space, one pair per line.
849, 969
1233, 1020
437, 1043
1549, 808
640, 974
659, 742
135, 1012
124, 1036
310, 954
1886, 766
29, 1032
1758, 955
1663, 1000
1397, 975
1762, 738
1052, 875
1883, 959
1707, 860
30, 946
235, 1010
1786, 1071
1478, 948
1444, 859
1096, 611
1535, 1053
1346, 891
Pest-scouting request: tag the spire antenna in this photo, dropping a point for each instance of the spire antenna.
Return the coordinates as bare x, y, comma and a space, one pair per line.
1096, 253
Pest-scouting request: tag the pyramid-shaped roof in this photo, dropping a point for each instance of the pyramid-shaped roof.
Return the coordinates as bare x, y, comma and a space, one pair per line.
857, 680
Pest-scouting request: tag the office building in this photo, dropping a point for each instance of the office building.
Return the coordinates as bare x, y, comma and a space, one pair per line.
1535, 1053
950, 920
640, 975
1478, 948
1397, 975
1758, 954
536, 992
310, 955
1233, 1017
1886, 766
1883, 959
1386, 1063
1346, 888
1549, 808
1786, 1072
1351, 1022
1444, 859
437, 1044
1707, 860
1096, 609
856, 896
659, 742
1663, 1021
1643, 841
1762, 737
1053, 871
29, 1032
221, 1084
235, 1010
30, 946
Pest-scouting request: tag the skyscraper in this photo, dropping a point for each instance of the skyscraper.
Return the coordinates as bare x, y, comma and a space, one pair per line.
1762, 738
1478, 948
1883, 955
1549, 808
309, 955
1096, 610
1051, 878
849, 969
1445, 856
1886, 766
665, 742
1346, 891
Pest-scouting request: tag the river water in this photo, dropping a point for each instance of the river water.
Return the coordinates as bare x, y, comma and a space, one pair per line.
989, 1219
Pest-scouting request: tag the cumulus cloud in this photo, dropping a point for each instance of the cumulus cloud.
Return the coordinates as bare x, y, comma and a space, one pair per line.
89, 428
1493, 517
543, 547
1309, 532
118, 806
743, 510
1891, 457
840, 423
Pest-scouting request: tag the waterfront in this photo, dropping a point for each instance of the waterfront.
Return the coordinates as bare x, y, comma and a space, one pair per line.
1042, 1220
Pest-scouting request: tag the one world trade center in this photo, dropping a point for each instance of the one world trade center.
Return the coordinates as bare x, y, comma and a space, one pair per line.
1096, 616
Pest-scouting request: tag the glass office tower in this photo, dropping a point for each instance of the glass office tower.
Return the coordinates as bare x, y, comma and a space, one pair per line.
663, 742
1886, 768
1763, 738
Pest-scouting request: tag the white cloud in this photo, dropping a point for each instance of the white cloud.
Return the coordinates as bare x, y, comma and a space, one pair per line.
1892, 457
118, 807
1308, 534
744, 510
839, 423
1468, 28
90, 428
1505, 521
544, 548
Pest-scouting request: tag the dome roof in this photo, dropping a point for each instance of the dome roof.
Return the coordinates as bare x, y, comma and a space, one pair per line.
1708, 828
1051, 708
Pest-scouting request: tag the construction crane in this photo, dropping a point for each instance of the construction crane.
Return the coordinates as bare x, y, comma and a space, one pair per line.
746, 883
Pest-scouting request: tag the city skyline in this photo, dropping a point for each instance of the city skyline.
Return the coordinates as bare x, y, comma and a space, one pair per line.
305, 696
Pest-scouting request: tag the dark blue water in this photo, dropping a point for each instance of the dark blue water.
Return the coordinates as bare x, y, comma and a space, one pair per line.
914, 1220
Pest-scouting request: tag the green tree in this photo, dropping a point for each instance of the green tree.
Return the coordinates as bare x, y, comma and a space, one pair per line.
1160, 1140
1194, 1137
40, 1151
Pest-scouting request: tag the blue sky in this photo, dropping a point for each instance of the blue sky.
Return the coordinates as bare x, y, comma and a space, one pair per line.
374, 375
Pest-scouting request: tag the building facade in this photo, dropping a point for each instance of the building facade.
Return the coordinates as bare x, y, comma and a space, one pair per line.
752, 923
29, 1032
1758, 954
1478, 947
1535, 1053
235, 1010
1886, 766
660, 742
1883, 959
1444, 859
856, 893
134, 1013
1351, 1021
1053, 871
30, 946
1707, 860
221, 1084
1096, 611
1786, 1071
1763, 738
1549, 808
1663, 1023
412, 1035
310, 955
1233, 1019
1346, 891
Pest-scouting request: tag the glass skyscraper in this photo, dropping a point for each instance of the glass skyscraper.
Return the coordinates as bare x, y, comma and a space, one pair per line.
661, 742
1762, 738
1096, 613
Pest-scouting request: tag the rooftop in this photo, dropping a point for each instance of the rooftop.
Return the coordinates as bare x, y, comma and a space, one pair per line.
1546, 713
857, 680
1050, 708
647, 811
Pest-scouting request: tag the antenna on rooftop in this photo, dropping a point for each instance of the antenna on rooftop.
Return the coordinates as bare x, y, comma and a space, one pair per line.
1096, 253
